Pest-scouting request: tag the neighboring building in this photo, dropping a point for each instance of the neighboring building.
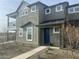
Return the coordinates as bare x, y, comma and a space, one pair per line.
73, 14
12, 27
39, 24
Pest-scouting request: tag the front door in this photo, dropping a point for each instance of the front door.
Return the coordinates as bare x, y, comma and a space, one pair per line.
46, 36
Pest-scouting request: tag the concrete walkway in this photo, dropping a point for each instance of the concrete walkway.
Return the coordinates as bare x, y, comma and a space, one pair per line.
30, 53
33, 52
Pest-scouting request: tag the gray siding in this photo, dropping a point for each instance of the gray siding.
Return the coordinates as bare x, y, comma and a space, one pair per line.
41, 12
74, 16
32, 17
54, 38
56, 15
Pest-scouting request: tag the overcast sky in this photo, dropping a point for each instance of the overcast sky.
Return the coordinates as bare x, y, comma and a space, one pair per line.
8, 6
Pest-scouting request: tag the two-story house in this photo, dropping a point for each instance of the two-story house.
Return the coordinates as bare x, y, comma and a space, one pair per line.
39, 24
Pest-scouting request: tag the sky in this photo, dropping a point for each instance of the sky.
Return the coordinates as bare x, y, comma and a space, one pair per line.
8, 6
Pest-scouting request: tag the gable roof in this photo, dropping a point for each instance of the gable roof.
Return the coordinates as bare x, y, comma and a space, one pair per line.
17, 9
21, 5
59, 4
37, 3
27, 24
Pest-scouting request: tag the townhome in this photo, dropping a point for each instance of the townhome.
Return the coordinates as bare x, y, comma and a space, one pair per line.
39, 24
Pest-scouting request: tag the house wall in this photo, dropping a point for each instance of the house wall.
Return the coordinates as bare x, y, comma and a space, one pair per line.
32, 17
56, 15
55, 37
23, 39
73, 16
36, 18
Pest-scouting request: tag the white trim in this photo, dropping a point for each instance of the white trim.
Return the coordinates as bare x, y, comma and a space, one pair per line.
21, 31
74, 11
70, 12
48, 9
56, 32
22, 12
34, 6
27, 28
60, 7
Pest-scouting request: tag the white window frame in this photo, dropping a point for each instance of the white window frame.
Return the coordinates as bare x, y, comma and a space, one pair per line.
75, 8
74, 11
34, 6
60, 7
49, 10
70, 11
22, 12
21, 31
27, 28
56, 32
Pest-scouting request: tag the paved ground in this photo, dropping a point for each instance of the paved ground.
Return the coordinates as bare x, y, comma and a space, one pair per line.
30, 53
10, 50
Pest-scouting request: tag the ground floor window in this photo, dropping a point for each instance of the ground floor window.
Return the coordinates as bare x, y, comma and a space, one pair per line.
20, 32
56, 30
29, 33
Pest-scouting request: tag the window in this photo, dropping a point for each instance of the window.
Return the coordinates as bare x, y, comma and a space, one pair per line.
77, 9
33, 8
47, 11
73, 10
29, 33
56, 30
20, 32
59, 8
14, 24
70, 10
23, 12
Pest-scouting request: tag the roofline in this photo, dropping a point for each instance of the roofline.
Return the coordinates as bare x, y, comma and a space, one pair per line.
73, 5
20, 5
17, 8
10, 13
59, 4
37, 3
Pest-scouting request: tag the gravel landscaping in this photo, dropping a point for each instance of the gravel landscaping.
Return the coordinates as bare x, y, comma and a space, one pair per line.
11, 50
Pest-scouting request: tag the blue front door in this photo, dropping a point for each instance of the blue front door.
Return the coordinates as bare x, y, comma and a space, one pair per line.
46, 36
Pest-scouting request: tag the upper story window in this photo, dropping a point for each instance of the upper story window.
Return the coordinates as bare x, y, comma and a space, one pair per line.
77, 9
56, 30
33, 8
23, 12
59, 8
73, 10
47, 11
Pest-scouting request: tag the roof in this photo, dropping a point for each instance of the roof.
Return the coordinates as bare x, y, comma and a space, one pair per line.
12, 15
59, 4
27, 24
52, 23
21, 4
17, 9
73, 5
37, 3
